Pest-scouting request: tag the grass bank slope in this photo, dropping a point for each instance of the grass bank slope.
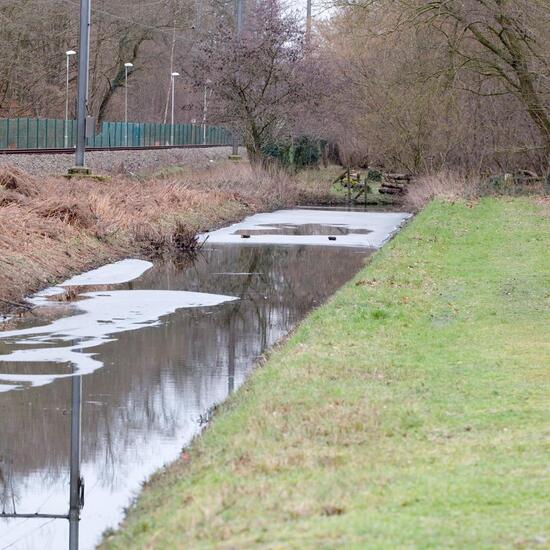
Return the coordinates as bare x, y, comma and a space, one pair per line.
410, 411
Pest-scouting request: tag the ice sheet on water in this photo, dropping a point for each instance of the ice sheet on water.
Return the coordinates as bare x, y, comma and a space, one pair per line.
381, 226
101, 315
111, 274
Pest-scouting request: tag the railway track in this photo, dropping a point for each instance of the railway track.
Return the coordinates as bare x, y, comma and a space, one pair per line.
70, 151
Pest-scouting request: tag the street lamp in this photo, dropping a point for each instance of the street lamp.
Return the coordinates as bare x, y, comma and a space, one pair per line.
204, 110
126, 67
173, 75
68, 55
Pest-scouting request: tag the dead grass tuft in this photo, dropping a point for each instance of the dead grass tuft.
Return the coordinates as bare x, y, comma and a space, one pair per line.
444, 185
13, 179
69, 211
10, 197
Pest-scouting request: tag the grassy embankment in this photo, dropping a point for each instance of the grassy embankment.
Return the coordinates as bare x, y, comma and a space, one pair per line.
410, 411
51, 227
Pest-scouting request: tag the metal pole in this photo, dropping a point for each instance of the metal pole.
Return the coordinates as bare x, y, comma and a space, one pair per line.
67, 106
126, 67
231, 355
308, 22
126, 105
239, 28
204, 117
75, 502
172, 117
83, 67
239, 16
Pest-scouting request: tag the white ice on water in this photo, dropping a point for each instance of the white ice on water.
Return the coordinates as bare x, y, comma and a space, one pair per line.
382, 225
111, 274
116, 273
101, 315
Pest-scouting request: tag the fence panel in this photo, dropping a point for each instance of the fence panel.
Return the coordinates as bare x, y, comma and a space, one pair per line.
34, 133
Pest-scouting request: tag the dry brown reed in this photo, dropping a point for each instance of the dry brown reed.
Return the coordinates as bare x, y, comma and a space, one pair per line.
51, 228
444, 185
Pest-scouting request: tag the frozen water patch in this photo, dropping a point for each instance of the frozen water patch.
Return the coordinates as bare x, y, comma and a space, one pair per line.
372, 229
102, 314
111, 274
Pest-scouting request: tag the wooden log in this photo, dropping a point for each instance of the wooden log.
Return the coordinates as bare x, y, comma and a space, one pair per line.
340, 177
528, 174
391, 191
399, 177
393, 185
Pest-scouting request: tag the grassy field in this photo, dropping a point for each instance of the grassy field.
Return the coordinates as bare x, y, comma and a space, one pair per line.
411, 411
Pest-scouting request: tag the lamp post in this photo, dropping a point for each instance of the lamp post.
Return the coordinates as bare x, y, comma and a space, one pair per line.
204, 110
173, 75
68, 55
126, 67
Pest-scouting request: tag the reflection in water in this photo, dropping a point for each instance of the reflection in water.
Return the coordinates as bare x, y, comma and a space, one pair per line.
76, 482
302, 229
100, 316
155, 387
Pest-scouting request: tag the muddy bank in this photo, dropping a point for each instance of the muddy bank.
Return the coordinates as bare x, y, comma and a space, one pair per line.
51, 228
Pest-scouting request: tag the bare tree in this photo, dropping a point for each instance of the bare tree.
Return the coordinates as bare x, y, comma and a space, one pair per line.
505, 42
259, 79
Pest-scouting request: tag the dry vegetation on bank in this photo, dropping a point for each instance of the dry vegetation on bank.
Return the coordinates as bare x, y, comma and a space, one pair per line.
450, 186
50, 228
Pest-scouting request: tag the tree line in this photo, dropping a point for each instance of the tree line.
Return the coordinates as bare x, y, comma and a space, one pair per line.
410, 85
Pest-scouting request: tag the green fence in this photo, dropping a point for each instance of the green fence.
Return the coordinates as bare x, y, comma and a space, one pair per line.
34, 133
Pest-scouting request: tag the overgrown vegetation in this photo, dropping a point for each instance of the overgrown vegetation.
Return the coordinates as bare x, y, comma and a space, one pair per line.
426, 85
297, 154
453, 186
410, 411
51, 227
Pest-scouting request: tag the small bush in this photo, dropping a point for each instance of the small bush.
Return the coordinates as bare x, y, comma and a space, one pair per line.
307, 152
303, 152
13, 179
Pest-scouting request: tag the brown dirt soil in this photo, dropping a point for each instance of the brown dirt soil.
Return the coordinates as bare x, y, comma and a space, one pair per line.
51, 228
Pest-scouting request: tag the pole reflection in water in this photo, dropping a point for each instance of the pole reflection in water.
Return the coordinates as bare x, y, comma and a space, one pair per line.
76, 501
155, 386
76, 484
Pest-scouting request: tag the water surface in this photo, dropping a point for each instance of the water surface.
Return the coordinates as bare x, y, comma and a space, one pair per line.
149, 381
